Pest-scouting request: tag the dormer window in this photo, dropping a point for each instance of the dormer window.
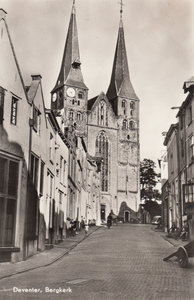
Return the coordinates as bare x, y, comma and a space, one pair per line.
76, 64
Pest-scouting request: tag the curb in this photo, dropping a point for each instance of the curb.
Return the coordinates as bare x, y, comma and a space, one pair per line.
52, 261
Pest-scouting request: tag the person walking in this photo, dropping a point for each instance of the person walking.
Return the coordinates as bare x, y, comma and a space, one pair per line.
109, 221
86, 228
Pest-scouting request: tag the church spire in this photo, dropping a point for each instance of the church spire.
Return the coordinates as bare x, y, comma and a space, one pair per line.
71, 56
120, 84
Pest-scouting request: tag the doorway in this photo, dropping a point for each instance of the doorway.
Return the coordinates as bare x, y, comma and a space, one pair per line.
127, 216
102, 212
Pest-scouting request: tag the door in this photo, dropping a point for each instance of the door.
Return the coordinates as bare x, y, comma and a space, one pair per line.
127, 216
103, 212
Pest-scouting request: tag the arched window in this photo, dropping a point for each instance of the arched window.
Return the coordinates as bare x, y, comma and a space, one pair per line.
80, 95
102, 117
132, 105
123, 103
79, 116
71, 115
124, 124
102, 146
131, 124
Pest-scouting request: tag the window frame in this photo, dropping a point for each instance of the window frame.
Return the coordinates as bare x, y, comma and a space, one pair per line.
14, 110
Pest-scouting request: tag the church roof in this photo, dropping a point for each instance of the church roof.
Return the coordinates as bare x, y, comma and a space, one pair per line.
71, 55
120, 84
91, 102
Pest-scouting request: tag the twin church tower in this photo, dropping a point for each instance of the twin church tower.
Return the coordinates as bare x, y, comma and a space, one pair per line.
108, 123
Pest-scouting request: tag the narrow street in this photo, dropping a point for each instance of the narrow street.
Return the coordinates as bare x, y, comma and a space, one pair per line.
124, 262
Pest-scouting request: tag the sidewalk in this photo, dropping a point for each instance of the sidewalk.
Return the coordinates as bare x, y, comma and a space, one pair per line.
45, 258
175, 243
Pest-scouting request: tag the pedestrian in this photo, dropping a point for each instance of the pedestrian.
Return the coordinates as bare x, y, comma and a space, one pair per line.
109, 220
86, 228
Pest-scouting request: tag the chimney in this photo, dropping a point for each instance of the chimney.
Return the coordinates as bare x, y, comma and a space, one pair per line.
36, 77
2, 14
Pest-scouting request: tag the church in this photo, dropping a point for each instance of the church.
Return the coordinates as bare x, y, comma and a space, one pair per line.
108, 123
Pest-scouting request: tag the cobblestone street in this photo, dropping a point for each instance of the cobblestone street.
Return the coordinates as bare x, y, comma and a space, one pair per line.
124, 262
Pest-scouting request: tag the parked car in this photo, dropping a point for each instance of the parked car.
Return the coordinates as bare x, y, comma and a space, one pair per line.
157, 220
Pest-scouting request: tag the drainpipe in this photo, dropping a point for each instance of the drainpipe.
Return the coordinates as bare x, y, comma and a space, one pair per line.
179, 175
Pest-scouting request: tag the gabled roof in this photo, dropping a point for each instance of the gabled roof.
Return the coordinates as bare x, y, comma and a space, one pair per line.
3, 19
94, 101
172, 128
120, 84
91, 102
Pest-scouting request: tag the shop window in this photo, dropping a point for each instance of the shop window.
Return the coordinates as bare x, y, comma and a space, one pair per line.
8, 200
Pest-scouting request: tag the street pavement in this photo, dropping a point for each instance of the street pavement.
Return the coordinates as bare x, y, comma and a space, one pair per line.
124, 262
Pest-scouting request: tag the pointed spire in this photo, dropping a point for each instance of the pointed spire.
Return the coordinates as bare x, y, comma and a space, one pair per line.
120, 84
71, 55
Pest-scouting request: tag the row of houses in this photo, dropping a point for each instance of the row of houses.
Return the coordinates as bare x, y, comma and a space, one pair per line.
178, 189
47, 174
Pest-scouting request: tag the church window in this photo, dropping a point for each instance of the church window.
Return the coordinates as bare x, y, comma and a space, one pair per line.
78, 116
73, 101
123, 103
80, 95
71, 115
78, 102
132, 105
131, 125
124, 124
102, 146
128, 137
101, 113
132, 112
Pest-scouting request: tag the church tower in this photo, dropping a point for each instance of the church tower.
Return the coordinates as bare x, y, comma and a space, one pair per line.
125, 104
70, 94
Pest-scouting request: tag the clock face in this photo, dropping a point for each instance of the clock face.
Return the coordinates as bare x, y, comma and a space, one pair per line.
70, 92
54, 97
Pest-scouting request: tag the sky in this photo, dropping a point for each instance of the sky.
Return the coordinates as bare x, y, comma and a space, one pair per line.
159, 42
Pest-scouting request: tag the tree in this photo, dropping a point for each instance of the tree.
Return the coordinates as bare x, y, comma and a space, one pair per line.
148, 179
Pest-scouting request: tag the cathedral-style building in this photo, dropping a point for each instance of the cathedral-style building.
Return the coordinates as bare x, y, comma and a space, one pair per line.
75, 162
108, 123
